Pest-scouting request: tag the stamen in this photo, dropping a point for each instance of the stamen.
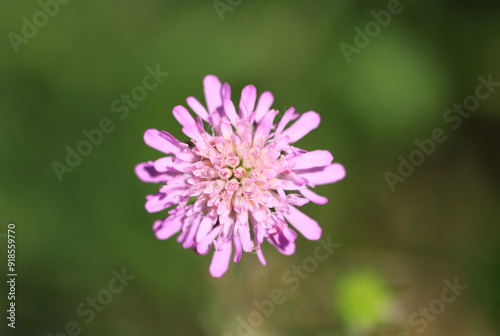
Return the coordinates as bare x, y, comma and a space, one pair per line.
225, 173
239, 172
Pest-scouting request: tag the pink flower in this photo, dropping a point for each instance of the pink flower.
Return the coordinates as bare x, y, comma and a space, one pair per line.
239, 182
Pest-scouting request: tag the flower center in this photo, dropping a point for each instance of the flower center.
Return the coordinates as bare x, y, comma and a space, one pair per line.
234, 174
224, 158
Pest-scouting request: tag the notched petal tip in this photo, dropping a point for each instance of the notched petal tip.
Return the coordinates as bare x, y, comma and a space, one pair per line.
220, 260
161, 141
146, 172
165, 229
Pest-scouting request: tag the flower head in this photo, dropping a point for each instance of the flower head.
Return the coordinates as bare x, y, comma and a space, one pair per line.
239, 182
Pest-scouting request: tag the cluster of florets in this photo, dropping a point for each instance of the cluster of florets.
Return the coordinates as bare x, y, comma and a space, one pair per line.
240, 183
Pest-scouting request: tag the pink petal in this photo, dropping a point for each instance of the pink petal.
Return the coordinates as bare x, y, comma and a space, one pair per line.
264, 128
306, 225
212, 90
205, 226
227, 223
225, 128
329, 174
246, 240
317, 158
258, 235
186, 154
187, 121
282, 241
261, 257
220, 260
226, 91
168, 227
173, 164
183, 234
295, 199
164, 163
157, 224
313, 197
306, 123
215, 119
266, 100
156, 202
231, 112
290, 234
162, 141
247, 101
288, 184
287, 117
161, 201
197, 107
204, 246
146, 172
237, 248
295, 178
259, 214
190, 238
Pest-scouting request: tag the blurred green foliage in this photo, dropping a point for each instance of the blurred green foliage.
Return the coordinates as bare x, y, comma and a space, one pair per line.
441, 222
362, 299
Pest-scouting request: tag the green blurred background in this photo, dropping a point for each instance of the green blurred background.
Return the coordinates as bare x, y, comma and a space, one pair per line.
397, 247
